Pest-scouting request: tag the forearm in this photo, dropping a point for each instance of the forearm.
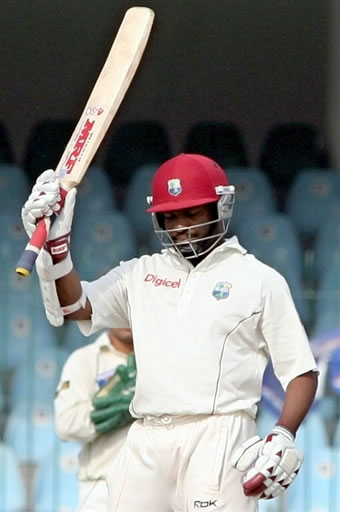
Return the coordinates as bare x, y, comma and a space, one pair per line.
69, 291
73, 423
298, 400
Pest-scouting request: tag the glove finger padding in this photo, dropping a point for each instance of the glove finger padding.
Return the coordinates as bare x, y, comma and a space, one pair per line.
99, 415
63, 221
43, 201
113, 422
123, 373
274, 467
246, 455
111, 403
112, 399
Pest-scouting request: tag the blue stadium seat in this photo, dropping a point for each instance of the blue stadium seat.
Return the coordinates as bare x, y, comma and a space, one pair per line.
30, 431
327, 246
14, 189
311, 489
101, 243
57, 487
72, 338
36, 377
335, 483
334, 372
13, 240
327, 309
309, 199
12, 488
273, 240
222, 141
24, 326
95, 194
336, 437
132, 144
153, 245
2, 398
135, 205
253, 195
288, 148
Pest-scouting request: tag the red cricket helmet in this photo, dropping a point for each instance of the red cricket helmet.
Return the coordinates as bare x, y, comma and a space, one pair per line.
184, 181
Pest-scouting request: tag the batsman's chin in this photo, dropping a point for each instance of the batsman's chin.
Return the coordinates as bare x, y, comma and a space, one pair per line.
188, 249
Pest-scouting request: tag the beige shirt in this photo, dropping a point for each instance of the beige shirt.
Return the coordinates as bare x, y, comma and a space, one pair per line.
202, 335
79, 381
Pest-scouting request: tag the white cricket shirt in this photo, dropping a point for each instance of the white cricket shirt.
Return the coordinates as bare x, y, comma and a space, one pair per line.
202, 335
85, 368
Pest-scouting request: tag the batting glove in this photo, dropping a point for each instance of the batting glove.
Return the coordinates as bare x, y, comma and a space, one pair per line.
45, 201
271, 463
42, 202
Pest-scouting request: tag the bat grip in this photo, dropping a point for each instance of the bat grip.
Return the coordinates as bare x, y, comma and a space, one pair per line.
26, 262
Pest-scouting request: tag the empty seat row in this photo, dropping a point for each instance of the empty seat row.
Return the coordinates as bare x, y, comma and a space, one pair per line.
110, 235
313, 199
44, 484
285, 150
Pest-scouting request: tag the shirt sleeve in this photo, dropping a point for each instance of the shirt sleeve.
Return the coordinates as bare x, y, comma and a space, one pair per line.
73, 400
284, 334
109, 300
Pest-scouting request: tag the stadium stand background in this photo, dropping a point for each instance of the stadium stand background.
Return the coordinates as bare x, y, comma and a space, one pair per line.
255, 85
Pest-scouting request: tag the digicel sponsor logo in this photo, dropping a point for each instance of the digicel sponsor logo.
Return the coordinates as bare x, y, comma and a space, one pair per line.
157, 281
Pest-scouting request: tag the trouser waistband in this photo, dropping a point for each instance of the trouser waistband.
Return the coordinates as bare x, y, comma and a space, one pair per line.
168, 421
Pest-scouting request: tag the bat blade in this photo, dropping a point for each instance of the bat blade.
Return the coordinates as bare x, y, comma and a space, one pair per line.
100, 109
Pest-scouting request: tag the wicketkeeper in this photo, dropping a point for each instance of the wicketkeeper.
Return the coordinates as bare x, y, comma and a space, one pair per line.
92, 406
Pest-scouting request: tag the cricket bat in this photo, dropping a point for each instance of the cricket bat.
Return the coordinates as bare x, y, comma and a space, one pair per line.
100, 109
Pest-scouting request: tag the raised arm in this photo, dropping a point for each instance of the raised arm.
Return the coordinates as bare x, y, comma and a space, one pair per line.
69, 291
60, 286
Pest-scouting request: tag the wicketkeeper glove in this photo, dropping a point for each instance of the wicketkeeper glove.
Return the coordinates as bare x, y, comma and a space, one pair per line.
271, 463
111, 403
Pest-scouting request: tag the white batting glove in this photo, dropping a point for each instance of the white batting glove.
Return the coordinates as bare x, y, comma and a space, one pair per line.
44, 201
271, 463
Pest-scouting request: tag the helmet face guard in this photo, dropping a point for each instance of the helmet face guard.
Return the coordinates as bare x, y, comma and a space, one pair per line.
187, 181
195, 247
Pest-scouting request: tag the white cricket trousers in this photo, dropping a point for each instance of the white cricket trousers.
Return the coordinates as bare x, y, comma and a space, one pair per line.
172, 464
93, 496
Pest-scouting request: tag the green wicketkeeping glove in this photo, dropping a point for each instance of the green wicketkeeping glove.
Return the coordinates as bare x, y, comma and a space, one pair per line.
111, 403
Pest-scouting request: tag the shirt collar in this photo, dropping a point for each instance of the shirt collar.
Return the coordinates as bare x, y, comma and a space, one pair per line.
104, 345
230, 244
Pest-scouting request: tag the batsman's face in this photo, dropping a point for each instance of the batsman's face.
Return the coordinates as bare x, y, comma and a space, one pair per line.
178, 223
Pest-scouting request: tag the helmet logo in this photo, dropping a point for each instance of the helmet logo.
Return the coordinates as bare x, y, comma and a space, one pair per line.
221, 290
174, 187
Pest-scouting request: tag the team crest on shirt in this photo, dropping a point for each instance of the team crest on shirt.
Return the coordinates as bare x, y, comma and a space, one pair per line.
174, 187
221, 290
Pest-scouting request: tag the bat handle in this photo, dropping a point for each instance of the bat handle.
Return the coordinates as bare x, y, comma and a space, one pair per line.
26, 262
